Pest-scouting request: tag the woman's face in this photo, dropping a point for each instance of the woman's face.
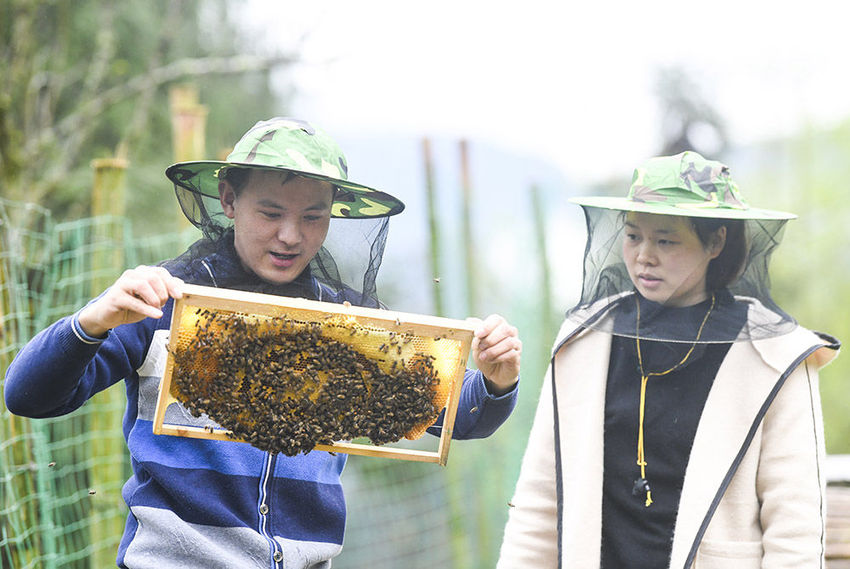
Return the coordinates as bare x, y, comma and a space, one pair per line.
280, 222
665, 258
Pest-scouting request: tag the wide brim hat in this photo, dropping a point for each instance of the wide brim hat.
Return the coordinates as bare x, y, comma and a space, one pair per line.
295, 146
685, 184
682, 185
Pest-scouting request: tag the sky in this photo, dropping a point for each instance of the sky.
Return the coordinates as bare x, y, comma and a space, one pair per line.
571, 83
556, 93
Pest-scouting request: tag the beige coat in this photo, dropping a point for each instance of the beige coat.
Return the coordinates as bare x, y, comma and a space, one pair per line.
770, 516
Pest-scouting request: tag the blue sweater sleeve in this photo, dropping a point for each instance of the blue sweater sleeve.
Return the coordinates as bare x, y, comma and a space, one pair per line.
61, 367
479, 413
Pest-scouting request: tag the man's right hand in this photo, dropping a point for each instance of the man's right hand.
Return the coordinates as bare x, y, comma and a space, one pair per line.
137, 294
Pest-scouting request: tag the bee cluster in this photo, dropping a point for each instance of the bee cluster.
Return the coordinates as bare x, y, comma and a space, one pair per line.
286, 388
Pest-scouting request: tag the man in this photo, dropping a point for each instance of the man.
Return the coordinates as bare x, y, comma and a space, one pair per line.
204, 503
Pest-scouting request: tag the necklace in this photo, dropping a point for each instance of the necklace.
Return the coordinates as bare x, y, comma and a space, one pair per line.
642, 484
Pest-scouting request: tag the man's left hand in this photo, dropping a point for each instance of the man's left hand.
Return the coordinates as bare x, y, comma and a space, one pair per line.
496, 349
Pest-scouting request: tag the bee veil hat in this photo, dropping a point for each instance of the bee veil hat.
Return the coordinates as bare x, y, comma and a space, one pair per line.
294, 146
353, 249
688, 185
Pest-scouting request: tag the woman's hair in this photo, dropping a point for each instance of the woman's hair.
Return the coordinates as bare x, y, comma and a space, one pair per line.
724, 269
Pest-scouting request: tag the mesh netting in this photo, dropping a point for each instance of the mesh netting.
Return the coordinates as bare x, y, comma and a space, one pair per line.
607, 290
61, 478
350, 256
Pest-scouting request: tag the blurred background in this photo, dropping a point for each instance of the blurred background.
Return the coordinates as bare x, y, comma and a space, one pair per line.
483, 119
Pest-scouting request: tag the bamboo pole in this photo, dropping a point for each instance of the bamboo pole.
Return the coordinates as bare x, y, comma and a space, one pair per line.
188, 130
22, 540
108, 203
461, 520
433, 227
15, 551
466, 235
108, 194
107, 407
547, 308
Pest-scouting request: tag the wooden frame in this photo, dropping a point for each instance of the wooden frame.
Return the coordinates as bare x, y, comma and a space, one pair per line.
199, 297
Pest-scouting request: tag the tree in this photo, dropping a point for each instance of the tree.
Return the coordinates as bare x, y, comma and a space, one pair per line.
88, 79
688, 121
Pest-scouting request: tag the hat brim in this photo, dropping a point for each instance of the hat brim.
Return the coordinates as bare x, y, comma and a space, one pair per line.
692, 209
353, 200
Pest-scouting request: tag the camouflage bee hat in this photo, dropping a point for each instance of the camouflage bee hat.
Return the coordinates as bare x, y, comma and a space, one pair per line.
353, 249
295, 146
685, 184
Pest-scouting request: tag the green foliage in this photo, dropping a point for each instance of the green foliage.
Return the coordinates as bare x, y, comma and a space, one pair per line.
809, 275
89, 79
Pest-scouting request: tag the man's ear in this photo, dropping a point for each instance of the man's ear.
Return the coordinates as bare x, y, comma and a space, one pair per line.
227, 197
718, 241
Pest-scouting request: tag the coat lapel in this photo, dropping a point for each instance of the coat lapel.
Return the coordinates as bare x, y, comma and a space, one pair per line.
738, 392
580, 381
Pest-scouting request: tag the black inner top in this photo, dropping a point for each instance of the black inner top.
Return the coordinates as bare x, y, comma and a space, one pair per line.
634, 535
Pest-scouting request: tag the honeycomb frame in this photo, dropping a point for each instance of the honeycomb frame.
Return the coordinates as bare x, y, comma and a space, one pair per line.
425, 330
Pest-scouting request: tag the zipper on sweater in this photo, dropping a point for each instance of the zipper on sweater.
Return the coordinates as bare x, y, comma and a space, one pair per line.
210, 271
266, 477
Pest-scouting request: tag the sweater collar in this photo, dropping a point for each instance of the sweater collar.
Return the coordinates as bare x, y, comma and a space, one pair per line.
227, 271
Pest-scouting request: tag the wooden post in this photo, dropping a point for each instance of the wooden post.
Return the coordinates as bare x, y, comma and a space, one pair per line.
188, 130
19, 485
547, 306
108, 189
466, 233
108, 454
108, 199
458, 492
433, 227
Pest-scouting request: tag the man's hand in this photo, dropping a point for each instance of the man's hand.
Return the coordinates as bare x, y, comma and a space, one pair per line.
137, 294
496, 349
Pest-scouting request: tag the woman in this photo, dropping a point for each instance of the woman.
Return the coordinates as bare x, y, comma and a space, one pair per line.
680, 422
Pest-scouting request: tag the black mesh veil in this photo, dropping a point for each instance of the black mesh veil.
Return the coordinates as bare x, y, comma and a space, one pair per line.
744, 310
347, 264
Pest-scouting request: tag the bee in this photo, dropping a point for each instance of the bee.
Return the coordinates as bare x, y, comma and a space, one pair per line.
290, 388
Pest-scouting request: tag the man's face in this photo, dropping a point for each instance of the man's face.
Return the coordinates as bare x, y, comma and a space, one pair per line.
280, 222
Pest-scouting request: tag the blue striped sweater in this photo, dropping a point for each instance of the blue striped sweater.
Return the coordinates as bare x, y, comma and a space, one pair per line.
202, 503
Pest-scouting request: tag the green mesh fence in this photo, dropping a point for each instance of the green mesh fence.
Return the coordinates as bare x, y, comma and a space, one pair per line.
61, 478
